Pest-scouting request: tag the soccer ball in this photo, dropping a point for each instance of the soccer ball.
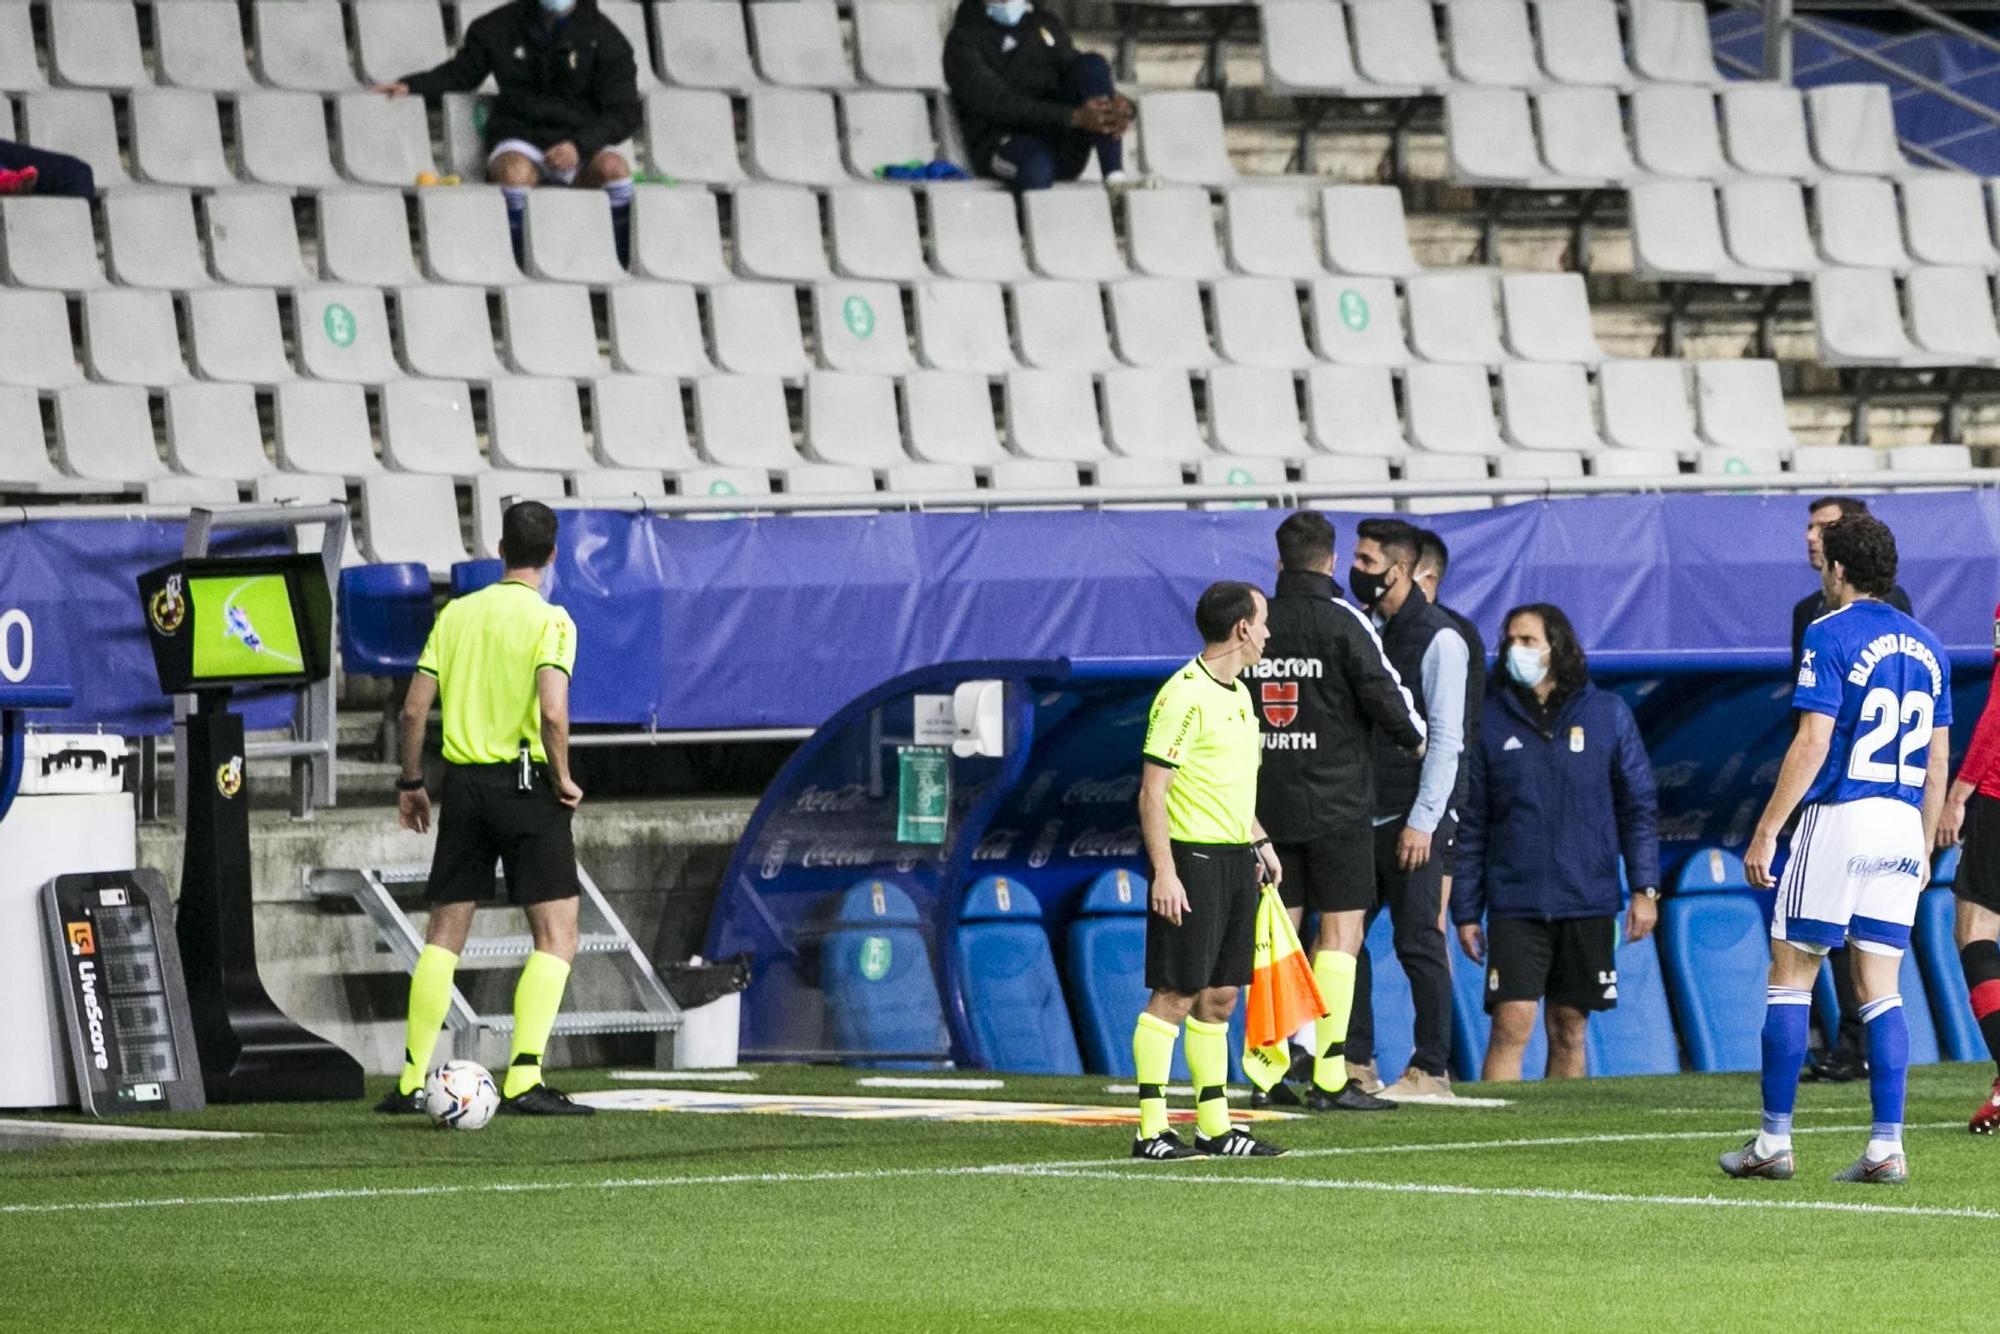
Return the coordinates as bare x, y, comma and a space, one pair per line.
460, 1095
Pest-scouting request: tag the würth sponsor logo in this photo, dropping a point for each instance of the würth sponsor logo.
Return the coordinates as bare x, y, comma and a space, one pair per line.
1281, 702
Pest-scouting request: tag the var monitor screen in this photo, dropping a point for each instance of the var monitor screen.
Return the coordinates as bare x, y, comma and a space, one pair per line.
239, 621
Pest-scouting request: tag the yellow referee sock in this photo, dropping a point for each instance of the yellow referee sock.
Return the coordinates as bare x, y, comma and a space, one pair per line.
430, 998
1208, 1063
1153, 1061
537, 997
1334, 972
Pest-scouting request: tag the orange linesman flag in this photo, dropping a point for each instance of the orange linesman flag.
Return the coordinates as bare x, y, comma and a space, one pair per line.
1283, 993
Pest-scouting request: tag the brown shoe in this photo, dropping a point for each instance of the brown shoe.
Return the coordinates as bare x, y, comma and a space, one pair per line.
1419, 1086
1364, 1077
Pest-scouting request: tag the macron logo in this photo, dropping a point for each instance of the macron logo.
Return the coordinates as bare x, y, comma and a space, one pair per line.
1513, 743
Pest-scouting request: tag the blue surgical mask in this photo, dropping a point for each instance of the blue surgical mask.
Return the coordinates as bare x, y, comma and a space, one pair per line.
557, 8
1526, 665
1007, 13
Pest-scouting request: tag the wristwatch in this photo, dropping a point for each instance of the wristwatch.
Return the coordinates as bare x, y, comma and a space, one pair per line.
1649, 891
409, 784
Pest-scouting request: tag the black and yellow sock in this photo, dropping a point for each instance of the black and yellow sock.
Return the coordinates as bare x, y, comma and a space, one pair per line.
1208, 1063
1334, 972
1153, 1060
537, 997
430, 1000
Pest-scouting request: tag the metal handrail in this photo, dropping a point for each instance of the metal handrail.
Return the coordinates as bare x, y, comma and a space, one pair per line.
1287, 493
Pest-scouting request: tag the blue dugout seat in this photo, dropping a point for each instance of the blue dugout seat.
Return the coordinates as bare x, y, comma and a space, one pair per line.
1395, 1011
1715, 949
1916, 1005
385, 616
469, 576
1014, 1003
1936, 954
881, 988
1636, 1038
1107, 978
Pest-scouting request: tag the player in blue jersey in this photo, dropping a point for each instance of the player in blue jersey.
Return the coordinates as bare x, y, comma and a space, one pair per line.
1869, 762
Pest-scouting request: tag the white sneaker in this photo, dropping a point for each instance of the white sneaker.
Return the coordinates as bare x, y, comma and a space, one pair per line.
1122, 180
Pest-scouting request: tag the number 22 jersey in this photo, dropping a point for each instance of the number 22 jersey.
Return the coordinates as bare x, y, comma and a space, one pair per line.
1886, 683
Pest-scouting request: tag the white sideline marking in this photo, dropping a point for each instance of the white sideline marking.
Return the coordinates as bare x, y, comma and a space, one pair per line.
1519, 1193
102, 1130
1079, 1167
687, 1076
894, 1082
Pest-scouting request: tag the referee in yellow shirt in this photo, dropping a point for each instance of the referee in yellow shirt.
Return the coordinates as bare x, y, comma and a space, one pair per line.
500, 659
1198, 812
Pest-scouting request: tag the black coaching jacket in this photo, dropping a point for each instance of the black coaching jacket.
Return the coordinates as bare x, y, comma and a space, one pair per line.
1323, 688
1006, 79
576, 81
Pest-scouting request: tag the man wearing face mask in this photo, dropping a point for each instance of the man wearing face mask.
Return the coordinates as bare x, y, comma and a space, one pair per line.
1558, 787
569, 93
1032, 106
1412, 800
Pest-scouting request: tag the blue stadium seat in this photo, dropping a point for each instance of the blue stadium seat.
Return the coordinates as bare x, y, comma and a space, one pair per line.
1717, 955
1395, 1012
1712, 871
1937, 956
1916, 1005
385, 617
1013, 1001
875, 967
469, 576
1107, 972
1636, 1038
1945, 870
1470, 1026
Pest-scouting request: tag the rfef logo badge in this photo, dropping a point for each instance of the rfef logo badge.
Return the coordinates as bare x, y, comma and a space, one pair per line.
1281, 702
168, 608
82, 940
229, 777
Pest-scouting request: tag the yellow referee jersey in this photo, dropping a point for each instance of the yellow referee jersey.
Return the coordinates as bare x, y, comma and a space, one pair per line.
486, 651
1208, 734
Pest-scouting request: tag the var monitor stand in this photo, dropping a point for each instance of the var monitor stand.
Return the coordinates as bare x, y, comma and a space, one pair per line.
250, 1050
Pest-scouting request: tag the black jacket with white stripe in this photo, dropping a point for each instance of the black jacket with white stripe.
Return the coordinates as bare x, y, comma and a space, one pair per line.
1322, 690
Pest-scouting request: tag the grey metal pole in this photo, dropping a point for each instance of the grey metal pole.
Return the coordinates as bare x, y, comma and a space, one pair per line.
1778, 40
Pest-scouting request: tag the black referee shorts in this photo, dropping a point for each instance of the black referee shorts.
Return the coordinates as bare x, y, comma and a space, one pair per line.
1978, 878
486, 819
1332, 873
1215, 944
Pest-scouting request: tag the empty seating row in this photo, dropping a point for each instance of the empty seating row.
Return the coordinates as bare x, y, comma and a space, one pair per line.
1754, 232
1392, 48
105, 433
1577, 138
1945, 318
153, 238
321, 46
281, 138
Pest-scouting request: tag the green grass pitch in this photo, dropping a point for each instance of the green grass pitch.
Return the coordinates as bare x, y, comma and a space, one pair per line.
1593, 1206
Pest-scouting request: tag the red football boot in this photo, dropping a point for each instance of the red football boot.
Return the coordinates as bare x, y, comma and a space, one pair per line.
1987, 1118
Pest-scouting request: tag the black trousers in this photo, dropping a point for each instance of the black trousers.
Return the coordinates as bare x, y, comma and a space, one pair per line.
1415, 900
61, 174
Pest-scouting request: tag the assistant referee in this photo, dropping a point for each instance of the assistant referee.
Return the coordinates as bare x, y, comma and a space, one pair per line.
1198, 812
500, 659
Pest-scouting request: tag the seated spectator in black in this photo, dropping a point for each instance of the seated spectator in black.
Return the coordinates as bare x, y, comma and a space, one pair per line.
37, 171
569, 92
1033, 108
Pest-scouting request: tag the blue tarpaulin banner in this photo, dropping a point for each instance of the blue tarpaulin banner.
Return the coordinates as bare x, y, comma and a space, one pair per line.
779, 621
68, 592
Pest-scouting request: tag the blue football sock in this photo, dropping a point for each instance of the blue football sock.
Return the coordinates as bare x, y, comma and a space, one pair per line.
1787, 1012
1888, 1067
619, 192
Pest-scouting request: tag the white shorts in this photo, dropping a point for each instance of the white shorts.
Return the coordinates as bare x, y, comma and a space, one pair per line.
534, 155
1853, 873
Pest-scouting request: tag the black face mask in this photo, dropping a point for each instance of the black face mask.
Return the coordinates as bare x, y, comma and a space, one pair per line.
1370, 588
